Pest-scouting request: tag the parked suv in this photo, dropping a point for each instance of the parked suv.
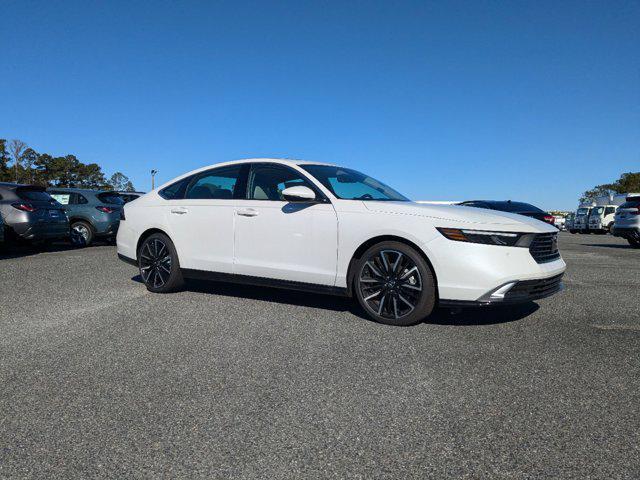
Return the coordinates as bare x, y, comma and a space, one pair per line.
627, 222
92, 213
29, 213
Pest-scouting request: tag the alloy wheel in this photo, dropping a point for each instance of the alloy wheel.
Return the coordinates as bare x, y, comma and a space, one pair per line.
82, 230
390, 284
155, 263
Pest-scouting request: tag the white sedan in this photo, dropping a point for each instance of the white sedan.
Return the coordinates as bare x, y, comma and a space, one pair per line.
325, 228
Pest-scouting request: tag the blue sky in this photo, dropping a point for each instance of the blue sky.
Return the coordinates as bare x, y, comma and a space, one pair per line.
534, 101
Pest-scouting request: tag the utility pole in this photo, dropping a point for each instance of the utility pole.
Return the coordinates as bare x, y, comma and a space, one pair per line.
153, 175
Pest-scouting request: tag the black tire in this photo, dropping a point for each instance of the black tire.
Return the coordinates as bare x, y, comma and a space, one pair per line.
635, 243
159, 265
404, 298
573, 232
610, 229
85, 230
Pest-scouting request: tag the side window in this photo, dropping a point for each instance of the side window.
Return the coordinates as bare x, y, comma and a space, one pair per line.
267, 181
217, 184
176, 190
610, 210
80, 199
62, 198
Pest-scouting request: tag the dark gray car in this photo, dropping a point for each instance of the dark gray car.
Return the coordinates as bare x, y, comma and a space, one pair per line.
92, 213
29, 213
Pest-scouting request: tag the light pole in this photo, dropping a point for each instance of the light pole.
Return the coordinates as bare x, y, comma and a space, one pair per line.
153, 175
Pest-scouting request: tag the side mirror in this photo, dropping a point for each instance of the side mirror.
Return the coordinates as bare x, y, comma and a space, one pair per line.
299, 194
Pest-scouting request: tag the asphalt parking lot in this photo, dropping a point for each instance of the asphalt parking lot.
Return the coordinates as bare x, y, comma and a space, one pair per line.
102, 379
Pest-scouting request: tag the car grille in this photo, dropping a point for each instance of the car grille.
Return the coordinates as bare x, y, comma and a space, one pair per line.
544, 247
534, 289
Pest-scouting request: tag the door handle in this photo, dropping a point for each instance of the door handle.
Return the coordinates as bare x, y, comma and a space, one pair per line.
247, 212
179, 211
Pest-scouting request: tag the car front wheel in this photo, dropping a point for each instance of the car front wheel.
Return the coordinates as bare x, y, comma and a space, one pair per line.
394, 284
159, 265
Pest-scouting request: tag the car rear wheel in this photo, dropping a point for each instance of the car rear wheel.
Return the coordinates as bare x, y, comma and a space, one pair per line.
159, 264
394, 284
84, 231
635, 243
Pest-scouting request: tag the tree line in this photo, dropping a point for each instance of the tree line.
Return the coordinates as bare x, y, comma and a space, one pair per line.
627, 183
21, 164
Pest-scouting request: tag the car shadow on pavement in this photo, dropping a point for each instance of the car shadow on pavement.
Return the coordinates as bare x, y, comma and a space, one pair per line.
491, 315
26, 250
440, 316
276, 295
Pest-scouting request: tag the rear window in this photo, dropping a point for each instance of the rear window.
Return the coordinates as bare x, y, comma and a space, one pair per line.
33, 194
110, 197
631, 204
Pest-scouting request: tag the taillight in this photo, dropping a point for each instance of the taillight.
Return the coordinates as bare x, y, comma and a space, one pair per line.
25, 207
105, 209
549, 219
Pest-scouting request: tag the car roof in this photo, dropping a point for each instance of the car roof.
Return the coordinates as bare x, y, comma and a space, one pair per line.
278, 161
16, 185
281, 161
79, 190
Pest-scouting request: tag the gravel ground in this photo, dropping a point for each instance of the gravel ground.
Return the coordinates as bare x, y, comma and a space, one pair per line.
100, 378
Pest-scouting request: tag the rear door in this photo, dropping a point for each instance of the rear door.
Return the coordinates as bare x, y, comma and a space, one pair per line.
201, 222
281, 240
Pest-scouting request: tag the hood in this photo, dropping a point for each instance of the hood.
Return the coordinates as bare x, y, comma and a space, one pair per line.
471, 217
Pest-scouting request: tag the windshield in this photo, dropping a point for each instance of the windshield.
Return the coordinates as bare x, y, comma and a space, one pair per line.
349, 184
583, 211
596, 211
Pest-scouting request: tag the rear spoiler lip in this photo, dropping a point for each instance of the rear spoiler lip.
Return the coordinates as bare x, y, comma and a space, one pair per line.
31, 187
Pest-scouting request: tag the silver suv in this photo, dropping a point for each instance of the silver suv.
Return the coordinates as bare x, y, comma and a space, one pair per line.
627, 220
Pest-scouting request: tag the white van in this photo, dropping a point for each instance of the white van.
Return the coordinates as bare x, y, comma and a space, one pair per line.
602, 215
581, 220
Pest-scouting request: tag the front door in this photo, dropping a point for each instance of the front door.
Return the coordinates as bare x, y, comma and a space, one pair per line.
282, 240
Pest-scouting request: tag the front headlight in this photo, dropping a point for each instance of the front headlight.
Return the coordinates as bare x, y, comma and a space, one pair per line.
507, 239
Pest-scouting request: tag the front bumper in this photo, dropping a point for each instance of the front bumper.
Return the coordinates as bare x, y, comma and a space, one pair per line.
627, 232
518, 292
